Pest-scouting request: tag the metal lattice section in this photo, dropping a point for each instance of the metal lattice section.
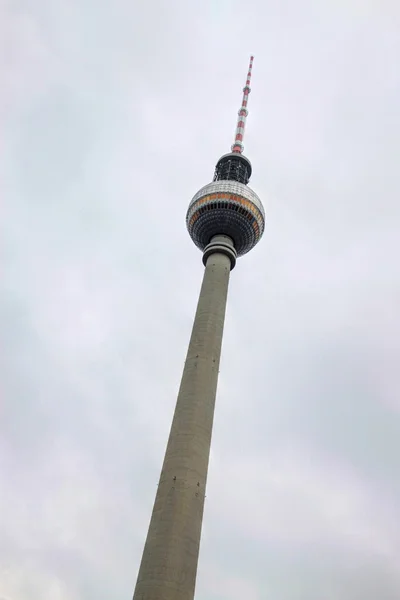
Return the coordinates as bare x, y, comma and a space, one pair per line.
228, 208
233, 167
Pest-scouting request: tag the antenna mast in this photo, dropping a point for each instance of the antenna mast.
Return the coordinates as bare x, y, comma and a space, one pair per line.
237, 146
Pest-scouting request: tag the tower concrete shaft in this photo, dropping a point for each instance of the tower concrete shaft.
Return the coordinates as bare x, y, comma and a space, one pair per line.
169, 562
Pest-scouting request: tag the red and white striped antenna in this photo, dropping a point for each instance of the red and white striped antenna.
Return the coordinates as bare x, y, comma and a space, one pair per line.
237, 146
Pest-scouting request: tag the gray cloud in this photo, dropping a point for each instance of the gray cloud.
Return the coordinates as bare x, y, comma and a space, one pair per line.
112, 116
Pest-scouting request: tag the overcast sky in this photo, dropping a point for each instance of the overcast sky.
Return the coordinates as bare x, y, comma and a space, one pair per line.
113, 114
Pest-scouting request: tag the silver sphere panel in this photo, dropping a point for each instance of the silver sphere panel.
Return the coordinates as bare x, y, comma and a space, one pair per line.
228, 208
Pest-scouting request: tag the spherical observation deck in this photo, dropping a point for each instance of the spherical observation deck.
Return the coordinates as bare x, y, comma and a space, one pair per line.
226, 208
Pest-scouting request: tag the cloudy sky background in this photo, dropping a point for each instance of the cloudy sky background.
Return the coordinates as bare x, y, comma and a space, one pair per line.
113, 114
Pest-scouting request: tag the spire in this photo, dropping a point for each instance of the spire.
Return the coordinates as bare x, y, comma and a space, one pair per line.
237, 146
235, 166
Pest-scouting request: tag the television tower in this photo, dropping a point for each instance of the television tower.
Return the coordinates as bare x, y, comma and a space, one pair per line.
225, 219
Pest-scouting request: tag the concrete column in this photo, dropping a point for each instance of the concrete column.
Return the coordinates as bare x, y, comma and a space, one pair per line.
169, 562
